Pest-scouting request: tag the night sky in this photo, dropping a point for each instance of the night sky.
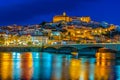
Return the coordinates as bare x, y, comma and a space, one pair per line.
24, 12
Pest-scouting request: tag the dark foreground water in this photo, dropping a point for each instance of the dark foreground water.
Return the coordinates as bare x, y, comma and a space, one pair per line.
46, 66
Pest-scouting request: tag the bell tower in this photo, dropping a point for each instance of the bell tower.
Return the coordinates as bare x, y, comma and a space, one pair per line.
64, 14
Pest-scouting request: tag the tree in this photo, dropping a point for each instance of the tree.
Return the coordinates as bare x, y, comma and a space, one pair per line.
78, 41
29, 43
43, 23
2, 40
59, 25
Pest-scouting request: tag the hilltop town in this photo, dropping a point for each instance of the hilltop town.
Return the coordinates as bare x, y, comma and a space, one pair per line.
62, 30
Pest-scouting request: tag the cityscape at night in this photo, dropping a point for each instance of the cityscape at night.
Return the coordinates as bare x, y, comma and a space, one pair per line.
61, 30
59, 40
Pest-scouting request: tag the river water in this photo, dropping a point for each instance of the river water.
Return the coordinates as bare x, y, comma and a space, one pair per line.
48, 66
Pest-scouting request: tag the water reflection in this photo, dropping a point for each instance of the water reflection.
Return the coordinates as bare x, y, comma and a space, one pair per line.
65, 68
104, 69
26, 66
82, 69
46, 66
56, 67
16, 58
74, 69
117, 69
6, 67
36, 67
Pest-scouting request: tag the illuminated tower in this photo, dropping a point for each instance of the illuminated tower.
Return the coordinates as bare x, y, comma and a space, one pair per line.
64, 14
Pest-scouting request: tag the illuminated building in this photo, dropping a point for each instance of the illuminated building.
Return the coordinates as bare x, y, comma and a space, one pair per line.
78, 34
63, 17
2, 34
38, 40
66, 18
85, 19
24, 39
56, 35
111, 27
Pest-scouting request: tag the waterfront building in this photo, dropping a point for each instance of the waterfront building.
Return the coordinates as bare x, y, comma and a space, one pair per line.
25, 39
39, 40
11, 40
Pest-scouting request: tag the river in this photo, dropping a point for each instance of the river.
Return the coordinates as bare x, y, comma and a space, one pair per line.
48, 66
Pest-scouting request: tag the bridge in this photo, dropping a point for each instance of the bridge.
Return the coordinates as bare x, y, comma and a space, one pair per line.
112, 46
67, 47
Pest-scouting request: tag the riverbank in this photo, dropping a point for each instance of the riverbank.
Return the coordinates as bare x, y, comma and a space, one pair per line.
20, 49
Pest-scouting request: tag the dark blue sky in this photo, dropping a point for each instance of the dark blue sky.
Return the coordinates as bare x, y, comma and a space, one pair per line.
35, 11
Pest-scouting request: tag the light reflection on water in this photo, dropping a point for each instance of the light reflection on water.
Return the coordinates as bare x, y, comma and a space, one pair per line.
46, 66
